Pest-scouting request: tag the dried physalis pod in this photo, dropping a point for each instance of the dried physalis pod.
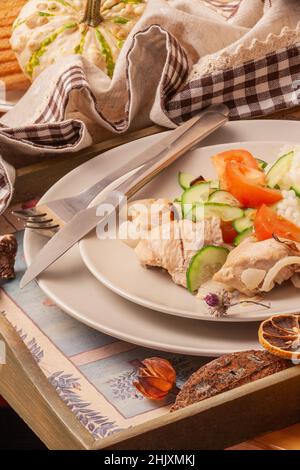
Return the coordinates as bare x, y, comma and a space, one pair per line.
8, 251
155, 378
280, 335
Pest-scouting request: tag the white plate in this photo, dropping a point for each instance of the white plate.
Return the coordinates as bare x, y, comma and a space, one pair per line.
115, 264
69, 283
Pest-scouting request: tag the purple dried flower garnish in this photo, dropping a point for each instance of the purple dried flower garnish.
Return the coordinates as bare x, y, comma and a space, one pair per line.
212, 299
218, 304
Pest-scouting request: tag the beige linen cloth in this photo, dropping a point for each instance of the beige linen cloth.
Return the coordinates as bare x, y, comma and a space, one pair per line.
180, 57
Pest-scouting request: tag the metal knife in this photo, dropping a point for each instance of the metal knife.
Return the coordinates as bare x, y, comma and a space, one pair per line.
86, 220
61, 211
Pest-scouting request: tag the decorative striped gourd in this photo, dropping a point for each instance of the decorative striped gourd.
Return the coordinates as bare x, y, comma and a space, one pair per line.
46, 30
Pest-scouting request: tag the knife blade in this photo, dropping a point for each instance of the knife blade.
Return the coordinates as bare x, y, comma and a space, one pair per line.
64, 209
86, 220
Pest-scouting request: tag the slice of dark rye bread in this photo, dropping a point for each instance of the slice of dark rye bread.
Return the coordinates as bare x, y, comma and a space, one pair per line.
228, 372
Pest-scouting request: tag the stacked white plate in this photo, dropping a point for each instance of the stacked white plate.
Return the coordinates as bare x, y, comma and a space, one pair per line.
100, 282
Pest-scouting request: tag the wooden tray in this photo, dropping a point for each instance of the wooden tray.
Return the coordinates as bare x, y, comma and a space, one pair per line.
214, 423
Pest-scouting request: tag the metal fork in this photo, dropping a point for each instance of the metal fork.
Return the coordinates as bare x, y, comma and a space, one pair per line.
49, 218
37, 220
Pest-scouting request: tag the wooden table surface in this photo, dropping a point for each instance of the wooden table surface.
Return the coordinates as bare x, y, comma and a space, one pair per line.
286, 439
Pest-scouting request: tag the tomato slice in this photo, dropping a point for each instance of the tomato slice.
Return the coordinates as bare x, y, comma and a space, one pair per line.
243, 183
267, 222
228, 232
220, 161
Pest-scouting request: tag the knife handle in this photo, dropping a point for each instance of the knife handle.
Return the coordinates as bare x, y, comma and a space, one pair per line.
209, 122
165, 152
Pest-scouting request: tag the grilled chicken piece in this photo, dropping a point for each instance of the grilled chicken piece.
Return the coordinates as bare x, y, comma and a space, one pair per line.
172, 245
142, 216
247, 265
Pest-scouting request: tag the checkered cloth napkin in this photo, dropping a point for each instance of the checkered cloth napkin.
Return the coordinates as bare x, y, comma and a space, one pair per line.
181, 57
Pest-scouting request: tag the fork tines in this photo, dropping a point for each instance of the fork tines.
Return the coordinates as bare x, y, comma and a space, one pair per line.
35, 220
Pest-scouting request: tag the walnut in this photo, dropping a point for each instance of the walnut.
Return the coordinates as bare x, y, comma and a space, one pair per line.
8, 251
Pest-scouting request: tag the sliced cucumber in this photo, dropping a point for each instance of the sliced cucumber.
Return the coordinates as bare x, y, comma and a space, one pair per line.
215, 184
279, 169
204, 265
197, 193
184, 179
296, 189
224, 212
223, 197
261, 164
242, 224
242, 236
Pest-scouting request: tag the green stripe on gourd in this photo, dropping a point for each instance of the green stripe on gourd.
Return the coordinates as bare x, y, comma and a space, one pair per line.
130, 2
79, 48
39, 13
35, 58
120, 20
43, 13
18, 23
106, 51
133, 2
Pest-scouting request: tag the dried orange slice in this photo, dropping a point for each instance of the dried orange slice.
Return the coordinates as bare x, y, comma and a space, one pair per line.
280, 335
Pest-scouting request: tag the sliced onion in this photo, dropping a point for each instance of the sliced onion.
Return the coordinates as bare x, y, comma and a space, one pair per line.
252, 277
268, 283
295, 246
